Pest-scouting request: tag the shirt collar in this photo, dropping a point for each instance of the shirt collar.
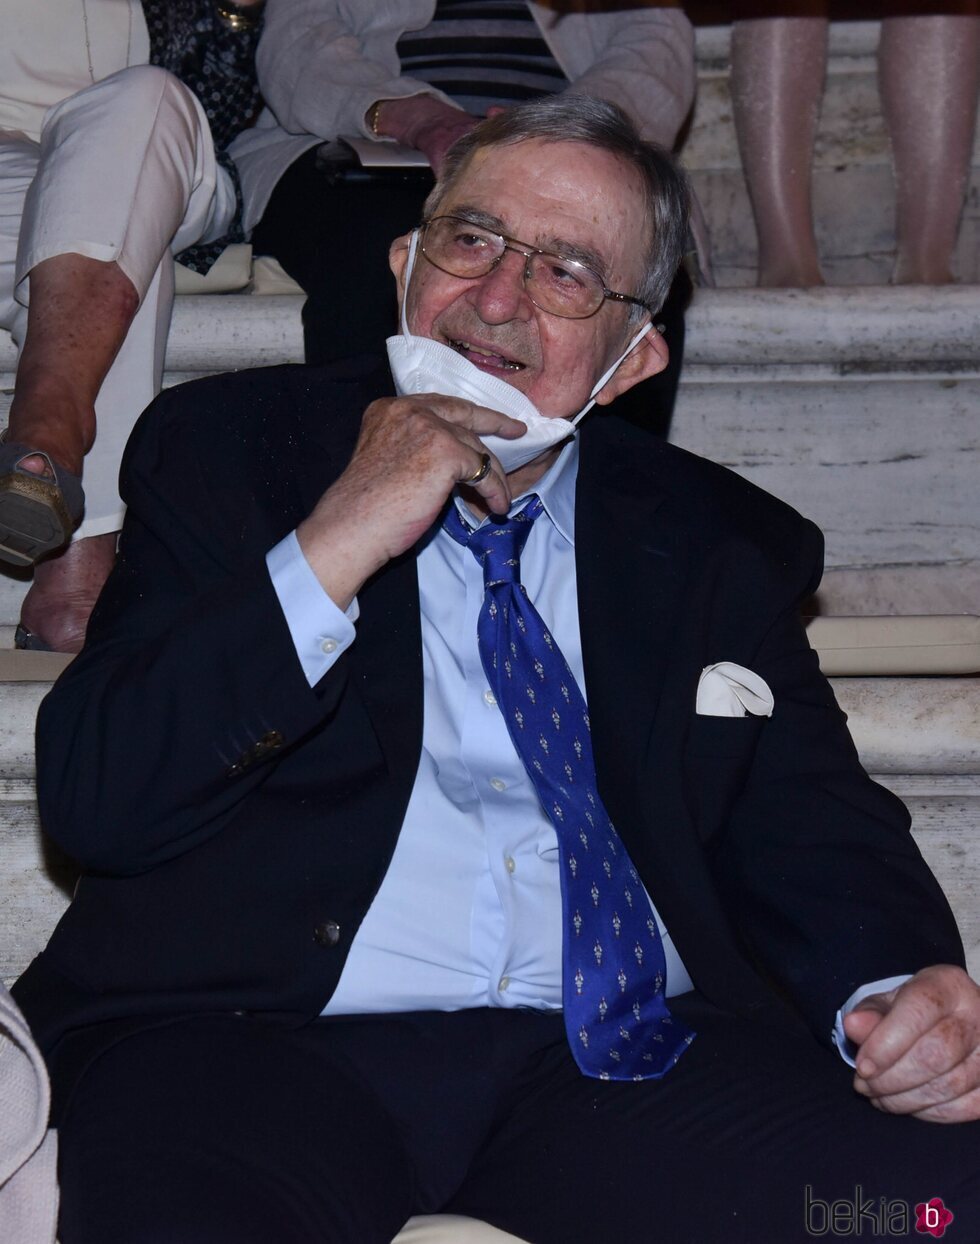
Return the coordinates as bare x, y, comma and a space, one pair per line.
556, 489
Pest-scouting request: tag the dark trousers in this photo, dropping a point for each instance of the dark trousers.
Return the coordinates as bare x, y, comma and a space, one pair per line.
332, 236
233, 1129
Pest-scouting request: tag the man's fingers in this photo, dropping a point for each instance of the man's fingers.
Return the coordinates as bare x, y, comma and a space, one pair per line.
861, 1022
921, 1052
493, 487
914, 1009
479, 419
937, 1075
964, 1109
960, 1084
947, 1051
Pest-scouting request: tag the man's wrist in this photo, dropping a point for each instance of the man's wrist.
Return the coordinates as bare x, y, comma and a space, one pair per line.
339, 560
371, 118
321, 632
404, 119
845, 1046
386, 119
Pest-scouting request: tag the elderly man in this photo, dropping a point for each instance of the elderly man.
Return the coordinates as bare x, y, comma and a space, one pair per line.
443, 860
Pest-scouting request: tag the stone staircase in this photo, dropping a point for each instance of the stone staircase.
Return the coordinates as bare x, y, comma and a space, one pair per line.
856, 403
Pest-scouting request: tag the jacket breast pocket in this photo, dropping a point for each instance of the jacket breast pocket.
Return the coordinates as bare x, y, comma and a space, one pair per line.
717, 759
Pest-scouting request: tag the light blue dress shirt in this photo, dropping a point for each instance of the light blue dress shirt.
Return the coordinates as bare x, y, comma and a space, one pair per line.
469, 911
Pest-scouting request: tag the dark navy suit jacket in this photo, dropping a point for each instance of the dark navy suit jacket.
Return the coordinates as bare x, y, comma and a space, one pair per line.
234, 824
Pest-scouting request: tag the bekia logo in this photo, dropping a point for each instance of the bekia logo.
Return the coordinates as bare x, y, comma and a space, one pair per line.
869, 1218
932, 1217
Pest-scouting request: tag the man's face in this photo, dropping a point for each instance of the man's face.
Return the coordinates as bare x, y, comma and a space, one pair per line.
565, 198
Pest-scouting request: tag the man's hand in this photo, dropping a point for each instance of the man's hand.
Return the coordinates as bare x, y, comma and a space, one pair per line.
425, 123
919, 1046
410, 454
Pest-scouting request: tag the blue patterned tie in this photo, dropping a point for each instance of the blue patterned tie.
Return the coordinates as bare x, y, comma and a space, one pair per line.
613, 972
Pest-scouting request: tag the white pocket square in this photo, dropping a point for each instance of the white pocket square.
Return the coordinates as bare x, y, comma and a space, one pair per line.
729, 690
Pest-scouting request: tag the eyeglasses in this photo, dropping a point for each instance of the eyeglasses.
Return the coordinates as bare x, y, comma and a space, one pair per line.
560, 286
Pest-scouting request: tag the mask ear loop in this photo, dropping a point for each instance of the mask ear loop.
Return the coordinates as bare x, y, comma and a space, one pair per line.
610, 372
413, 247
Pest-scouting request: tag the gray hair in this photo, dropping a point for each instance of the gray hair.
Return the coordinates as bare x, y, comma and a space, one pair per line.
582, 119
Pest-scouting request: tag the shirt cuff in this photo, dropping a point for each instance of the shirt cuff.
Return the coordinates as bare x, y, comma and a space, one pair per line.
320, 630
845, 1047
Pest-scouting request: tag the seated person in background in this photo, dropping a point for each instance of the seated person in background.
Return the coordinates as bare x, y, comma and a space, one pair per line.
423, 72
108, 164
447, 870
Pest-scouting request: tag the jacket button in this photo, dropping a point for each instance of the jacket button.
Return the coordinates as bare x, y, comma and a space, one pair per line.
271, 741
327, 934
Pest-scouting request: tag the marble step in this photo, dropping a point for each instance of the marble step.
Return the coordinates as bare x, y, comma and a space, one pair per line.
848, 331
856, 405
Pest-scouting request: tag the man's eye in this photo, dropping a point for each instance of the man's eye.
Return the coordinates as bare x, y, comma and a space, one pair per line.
568, 277
470, 241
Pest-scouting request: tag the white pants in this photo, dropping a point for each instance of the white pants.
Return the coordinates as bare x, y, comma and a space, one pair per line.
124, 171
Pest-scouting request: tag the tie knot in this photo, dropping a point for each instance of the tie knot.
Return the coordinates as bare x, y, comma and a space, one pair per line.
498, 544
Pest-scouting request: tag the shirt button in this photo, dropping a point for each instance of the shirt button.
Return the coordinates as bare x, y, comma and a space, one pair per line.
498, 784
509, 864
328, 645
489, 699
504, 984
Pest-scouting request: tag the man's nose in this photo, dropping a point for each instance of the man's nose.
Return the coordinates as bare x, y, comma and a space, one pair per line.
499, 296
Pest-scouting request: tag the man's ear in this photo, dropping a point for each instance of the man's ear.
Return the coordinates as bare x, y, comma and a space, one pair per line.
398, 260
648, 357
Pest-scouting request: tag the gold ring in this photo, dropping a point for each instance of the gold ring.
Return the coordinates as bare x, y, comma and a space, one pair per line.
479, 476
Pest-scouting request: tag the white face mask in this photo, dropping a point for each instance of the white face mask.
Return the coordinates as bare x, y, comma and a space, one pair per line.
423, 365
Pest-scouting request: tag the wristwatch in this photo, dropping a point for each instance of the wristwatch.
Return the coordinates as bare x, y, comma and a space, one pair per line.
239, 17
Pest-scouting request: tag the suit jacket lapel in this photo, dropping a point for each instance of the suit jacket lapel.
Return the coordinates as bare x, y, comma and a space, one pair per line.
388, 667
631, 563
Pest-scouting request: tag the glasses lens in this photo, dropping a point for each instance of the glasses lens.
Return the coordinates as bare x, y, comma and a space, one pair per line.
459, 248
563, 287
556, 285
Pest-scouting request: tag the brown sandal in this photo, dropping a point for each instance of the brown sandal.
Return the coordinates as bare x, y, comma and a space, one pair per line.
38, 513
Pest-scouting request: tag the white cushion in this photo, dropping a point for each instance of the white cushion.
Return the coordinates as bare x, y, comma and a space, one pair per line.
17, 666
451, 1229
270, 277
231, 271
910, 646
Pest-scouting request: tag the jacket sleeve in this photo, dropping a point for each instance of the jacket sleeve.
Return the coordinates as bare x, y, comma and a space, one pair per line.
189, 682
639, 57
323, 63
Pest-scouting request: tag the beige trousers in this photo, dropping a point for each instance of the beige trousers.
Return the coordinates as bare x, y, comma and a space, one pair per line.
124, 171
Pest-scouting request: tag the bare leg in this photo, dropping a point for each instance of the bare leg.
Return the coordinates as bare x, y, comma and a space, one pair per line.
79, 314
929, 69
65, 589
778, 69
